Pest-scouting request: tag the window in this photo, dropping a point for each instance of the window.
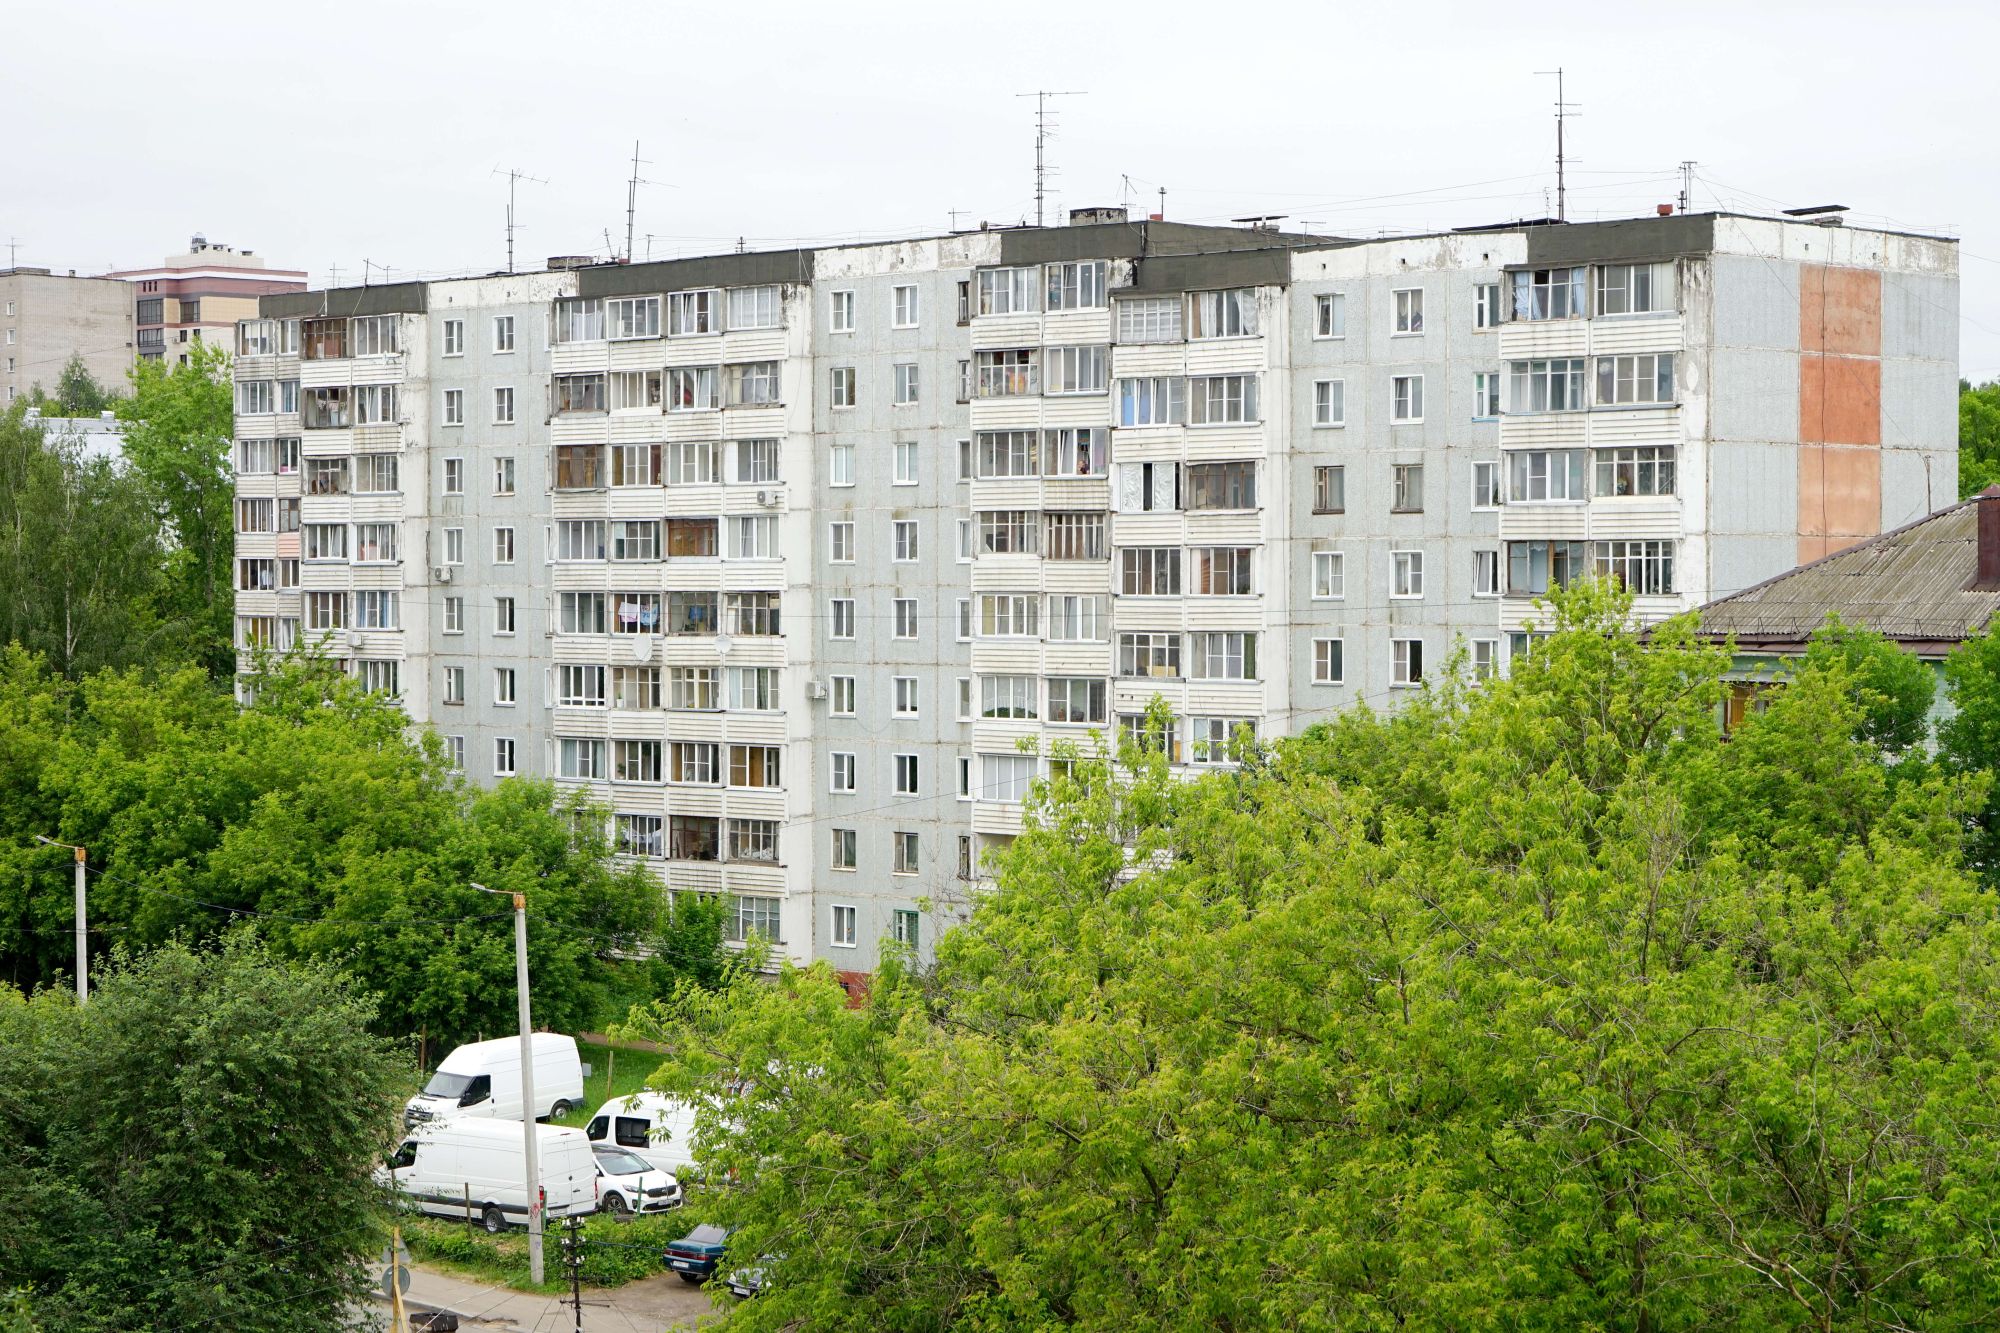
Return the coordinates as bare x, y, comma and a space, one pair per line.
1075, 451
1230, 314
1222, 571
503, 407
503, 685
255, 397
906, 383
754, 308
454, 337
1008, 532
965, 698
754, 766
1485, 573
1406, 487
1006, 453
841, 387
255, 516
1154, 401
1409, 310
1406, 661
288, 513
1329, 575
694, 763
582, 613
693, 389
640, 835
454, 753
1149, 319
638, 390
843, 926
1007, 696
965, 381
635, 465
577, 539
1005, 777
1009, 615
1549, 293
579, 686
840, 312
376, 609
633, 689
1078, 618
756, 461
1485, 658
288, 396
454, 615
1076, 700
840, 465
842, 617
964, 605
1330, 315
379, 677
903, 307
1077, 286
326, 610
1007, 291
690, 313
1407, 579
1329, 403
1328, 668
905, 463
1635, 379
692, 538
503, 615
1008, 374
1150, 571
374, 404
1163, 738
1485, 395
635, 539
904, 611
1641, 470
1209, 737
965, 301
1544, 475
454, 684
1485, 485
374, 335
841, 770
841, 696
1487, 312
580, 759
1149, 654
905, 926
1224, 655
1406, 398
694, 689
503, 333
503, 546
906, 775
1073, 370
1546, 386
844, 857
752, 383
630, 317
1631, 289
1214, 399
1535, 567
327, 409
503, 476
904, 541
375, 474
694, 463
1330, 489
1644, 567
454, 546
698, 838
579, 320
840, 543
1074, 536
1144, 487
325, 541
905, 688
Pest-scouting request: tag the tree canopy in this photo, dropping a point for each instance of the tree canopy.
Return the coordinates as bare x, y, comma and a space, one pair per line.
1978, 437
1536, 1005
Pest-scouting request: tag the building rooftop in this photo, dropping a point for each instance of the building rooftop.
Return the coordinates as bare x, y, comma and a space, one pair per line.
1913, 585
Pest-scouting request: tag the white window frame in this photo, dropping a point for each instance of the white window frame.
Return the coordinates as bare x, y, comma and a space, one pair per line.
1406, 575
1329, 576
1406, 400
903, 306
1409, 312
1329, 668
840, 312
1329, 404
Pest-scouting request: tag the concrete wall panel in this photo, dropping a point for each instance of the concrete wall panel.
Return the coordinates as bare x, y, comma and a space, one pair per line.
1753, 394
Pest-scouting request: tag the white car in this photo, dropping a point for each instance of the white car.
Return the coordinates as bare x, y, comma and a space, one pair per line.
628, 1184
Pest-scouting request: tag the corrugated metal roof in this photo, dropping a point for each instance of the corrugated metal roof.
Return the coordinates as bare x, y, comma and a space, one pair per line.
1909, 584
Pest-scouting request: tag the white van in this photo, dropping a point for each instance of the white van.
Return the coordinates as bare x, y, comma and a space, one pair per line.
480, 1167
656, 1127
483, 1078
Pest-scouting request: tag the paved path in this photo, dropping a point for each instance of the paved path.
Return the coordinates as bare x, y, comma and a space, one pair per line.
646, 1306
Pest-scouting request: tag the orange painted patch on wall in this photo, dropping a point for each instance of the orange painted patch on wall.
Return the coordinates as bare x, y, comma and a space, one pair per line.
1840, 408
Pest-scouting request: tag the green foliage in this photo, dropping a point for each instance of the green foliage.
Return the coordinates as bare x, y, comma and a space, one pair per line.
1895, 689
193, 1148
1978, 437
78, 394
316, 816
1537, 1006
614, 1252
178, 425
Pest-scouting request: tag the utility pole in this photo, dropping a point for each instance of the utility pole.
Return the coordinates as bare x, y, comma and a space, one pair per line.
82, 926
1042, 167
528, 1137
1562, 113
572, 1246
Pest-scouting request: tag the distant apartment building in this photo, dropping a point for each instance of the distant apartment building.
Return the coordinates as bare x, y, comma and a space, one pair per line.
801, 563
45, 318
199, 296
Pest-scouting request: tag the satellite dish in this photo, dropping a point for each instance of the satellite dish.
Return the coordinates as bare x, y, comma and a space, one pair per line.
642, 648
722, 642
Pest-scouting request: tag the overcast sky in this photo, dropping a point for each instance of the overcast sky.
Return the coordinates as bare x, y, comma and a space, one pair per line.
324, 135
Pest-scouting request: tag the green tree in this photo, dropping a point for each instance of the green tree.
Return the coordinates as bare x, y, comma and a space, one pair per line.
178, 426
194, 1147
1537, 1006
1978, 437
78, 394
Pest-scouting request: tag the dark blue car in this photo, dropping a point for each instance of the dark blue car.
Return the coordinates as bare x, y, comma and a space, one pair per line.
696, 1255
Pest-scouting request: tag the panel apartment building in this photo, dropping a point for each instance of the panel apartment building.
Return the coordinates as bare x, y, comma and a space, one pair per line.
784, 556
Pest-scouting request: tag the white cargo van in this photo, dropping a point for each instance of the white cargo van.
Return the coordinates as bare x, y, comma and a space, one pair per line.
483, 1078
480, 1166
654, 1126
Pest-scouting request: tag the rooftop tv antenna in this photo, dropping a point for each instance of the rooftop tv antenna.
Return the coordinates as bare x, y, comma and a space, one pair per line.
1042, 167
632, 197
1563, 112
514, 177
1687, 183
13, 246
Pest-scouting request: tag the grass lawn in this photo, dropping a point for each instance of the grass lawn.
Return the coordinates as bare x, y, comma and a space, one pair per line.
614, 1253
615, 1071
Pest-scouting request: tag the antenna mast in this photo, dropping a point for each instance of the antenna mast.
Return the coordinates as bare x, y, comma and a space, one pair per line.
1042, 167
1687, 183
514, 176
1563, 113
632, 198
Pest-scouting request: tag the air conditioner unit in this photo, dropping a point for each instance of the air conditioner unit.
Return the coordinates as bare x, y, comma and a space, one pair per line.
355, 639
442, 573
816, 689
770, 499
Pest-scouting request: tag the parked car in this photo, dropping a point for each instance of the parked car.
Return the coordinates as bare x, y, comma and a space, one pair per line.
747, 1282
698, 1254
483, 1078
657, 1128
627, 1183
448, 1167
